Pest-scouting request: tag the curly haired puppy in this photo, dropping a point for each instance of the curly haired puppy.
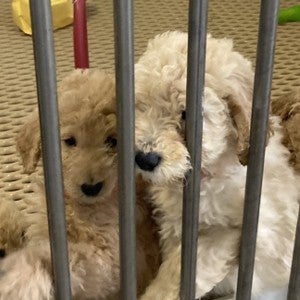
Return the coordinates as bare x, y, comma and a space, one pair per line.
163, 159
288, 108
88, 132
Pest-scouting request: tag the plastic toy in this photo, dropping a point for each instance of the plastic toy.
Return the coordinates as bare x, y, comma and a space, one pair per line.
62, 14
291, 14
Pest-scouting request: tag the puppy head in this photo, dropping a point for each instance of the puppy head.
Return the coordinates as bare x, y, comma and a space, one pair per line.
161, 94
88, 136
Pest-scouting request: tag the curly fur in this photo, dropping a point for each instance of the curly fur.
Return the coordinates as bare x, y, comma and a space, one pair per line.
11, 233
87, 113
288, 108
160, 100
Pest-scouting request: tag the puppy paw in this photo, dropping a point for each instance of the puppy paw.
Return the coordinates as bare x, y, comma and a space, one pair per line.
12, 227
23, 276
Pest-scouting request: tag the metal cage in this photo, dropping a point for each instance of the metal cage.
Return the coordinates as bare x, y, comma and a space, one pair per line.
124, 57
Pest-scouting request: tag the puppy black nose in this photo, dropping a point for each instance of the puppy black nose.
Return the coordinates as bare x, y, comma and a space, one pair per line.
147, 161
2, 253
91, 190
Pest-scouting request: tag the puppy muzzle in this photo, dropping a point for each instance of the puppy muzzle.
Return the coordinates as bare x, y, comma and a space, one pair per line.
147, 161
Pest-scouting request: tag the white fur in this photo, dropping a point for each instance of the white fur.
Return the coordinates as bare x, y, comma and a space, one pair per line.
160, 96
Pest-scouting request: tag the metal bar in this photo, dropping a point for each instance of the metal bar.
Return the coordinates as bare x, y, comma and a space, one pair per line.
195, 86
124, 61
80, 39
294, 285
43, 45
259, 124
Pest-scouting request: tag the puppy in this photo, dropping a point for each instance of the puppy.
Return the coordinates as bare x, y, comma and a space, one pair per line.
89, 144
288, 108
163, 159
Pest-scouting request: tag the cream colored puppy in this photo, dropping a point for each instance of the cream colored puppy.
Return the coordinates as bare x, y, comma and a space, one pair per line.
162, 158
89, 144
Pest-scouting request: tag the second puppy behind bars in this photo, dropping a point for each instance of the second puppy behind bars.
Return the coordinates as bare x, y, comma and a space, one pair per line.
163, 159
89, 142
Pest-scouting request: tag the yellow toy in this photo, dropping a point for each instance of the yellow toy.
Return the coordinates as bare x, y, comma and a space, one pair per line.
62, 14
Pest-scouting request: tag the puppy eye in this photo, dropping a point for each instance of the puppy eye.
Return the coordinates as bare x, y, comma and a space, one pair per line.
71, 142
111, 142
183, 115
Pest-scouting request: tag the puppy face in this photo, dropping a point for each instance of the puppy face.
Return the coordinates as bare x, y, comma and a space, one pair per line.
161, 153
162, 136
88, 155
88, 136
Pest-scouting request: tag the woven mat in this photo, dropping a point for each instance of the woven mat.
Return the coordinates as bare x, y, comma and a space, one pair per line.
236, 18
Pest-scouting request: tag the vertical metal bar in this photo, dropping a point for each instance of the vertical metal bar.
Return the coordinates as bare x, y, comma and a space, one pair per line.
294, 285
259, 124
124, 56
195, 85
81, 53
43, 45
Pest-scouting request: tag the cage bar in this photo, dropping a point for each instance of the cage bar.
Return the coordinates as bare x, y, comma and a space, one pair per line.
41, 19
294, 284
195, 85
259, 126
124, 65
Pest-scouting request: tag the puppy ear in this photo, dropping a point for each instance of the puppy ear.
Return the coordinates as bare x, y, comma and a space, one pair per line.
109, 108
241, 116
29, 144
287, 105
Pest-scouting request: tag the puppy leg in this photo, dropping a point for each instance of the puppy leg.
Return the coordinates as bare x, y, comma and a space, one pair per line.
25, 274
166, 284
216, 254
12, 227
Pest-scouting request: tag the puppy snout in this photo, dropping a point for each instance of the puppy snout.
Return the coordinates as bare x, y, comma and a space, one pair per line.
91, 190
147, 161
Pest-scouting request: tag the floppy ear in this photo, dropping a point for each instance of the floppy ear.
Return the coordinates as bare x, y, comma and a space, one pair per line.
29, 143
288, 108
239, 99
241, 116
236, 87
287, 105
